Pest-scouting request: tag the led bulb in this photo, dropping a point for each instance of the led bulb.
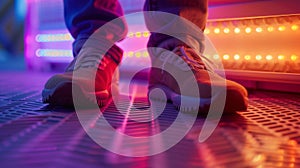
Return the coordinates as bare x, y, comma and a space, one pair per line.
146, 34
130, 54
294, 57
280, 57
226, 30
281, 28
248, 30
269, 57
130, 35
226, 57
138, 34
145, 54
68, 37
236, 57
217, 30
270, 29
237, 30
216, 56
206, 31
138, 54
247, 57
258, 57
295, 27
259, 30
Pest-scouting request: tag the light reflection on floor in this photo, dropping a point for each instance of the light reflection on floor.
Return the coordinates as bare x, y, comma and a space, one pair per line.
34, 135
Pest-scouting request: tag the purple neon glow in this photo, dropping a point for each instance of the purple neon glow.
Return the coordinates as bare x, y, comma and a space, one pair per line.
53, 37
45, 40
53, 53
51, 41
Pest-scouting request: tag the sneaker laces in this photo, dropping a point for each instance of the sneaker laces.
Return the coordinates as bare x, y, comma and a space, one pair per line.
184, 62
90, 58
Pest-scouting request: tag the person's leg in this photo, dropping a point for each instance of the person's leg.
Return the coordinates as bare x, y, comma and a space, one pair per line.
195, 11
83, 18
189, 46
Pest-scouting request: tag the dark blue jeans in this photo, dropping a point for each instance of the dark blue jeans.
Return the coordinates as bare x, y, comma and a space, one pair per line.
84, 17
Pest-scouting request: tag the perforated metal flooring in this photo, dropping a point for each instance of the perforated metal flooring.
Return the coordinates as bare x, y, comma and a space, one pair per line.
35, 135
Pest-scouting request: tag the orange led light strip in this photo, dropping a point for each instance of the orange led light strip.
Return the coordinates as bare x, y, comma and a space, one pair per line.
269, 24
138, 34
249, 30
244, 25
258, 57
227, 30
227, 57
139, 54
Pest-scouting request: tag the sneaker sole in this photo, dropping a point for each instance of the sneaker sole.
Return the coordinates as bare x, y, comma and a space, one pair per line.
239, 103
62, 95
189, 104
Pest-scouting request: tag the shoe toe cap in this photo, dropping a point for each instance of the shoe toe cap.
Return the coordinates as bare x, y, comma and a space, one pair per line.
55, 80
236, 97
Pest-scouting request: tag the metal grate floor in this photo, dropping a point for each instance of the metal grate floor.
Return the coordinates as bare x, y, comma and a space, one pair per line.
34, 135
